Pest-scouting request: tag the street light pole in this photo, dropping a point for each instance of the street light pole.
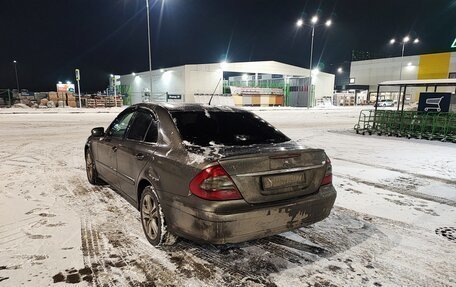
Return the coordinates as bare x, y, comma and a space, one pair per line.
301, 23
310, 68
17, 78
149, 43
405, 40
402, 60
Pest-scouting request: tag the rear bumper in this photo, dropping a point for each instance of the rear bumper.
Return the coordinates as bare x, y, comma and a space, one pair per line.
256, 222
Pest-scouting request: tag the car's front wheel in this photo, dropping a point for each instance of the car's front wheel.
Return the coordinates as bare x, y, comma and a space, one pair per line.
91, 170
153, 219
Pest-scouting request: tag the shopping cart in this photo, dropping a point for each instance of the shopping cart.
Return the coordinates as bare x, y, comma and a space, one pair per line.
433, 101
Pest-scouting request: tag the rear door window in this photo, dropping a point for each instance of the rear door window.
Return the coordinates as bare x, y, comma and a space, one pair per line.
152, 133
225, 128
140, 125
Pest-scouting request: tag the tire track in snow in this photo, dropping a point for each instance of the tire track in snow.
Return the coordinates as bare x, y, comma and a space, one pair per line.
407, 192
433, 178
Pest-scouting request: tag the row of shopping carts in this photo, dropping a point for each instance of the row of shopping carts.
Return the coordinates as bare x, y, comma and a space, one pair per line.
410, 124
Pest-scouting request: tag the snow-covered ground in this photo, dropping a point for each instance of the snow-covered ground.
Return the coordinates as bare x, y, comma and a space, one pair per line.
395, 199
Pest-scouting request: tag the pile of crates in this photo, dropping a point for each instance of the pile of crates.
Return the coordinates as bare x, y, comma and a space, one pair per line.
410, 124
103, 102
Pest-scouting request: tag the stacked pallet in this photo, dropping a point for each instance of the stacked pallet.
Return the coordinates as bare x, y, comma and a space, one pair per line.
100, 103
90, 103
118, 100
53, 97
110, 102
71, 100
62, 99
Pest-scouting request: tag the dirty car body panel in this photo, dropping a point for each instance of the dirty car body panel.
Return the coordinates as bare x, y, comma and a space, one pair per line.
222, 175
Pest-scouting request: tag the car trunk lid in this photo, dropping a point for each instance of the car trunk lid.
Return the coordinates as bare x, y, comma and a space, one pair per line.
274, 172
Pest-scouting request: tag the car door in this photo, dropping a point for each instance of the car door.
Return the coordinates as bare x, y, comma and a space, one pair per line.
107, 148
136, 150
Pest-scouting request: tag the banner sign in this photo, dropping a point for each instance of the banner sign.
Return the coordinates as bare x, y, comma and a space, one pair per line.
256, 91
174, 97
434, 102
65, 88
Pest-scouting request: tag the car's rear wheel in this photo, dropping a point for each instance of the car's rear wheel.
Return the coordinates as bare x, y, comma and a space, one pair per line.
153, 220
92, 174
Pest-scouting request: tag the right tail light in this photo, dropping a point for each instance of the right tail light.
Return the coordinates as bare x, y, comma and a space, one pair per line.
327, 179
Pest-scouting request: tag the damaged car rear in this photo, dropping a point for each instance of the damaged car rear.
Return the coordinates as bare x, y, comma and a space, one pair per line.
210, 174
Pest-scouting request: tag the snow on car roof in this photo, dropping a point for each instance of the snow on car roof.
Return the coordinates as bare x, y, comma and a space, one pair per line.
183, 107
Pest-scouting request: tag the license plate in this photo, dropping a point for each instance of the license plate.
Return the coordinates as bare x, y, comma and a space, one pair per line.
283, 180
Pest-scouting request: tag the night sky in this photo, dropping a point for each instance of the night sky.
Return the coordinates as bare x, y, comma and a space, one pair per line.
50, 38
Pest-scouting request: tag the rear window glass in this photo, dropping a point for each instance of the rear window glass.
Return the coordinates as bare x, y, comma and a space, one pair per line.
225, 128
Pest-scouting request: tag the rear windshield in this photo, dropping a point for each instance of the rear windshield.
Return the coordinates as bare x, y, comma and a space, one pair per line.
225, 128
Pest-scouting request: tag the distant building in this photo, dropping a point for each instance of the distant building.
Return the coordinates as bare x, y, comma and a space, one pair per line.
420, 67
195, 83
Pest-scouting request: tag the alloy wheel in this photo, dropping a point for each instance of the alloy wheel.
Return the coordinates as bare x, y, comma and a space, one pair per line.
150, 217
89, 166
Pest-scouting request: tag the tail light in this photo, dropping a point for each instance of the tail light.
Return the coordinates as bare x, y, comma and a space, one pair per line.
327, 179
214, 183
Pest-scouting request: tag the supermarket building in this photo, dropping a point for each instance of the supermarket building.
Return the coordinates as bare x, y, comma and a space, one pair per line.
262, 83
365, 75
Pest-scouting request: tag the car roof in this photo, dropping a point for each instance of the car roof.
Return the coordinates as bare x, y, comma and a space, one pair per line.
181, 107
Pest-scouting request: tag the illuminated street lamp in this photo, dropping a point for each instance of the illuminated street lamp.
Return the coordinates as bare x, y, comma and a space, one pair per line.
313, 25
405, 40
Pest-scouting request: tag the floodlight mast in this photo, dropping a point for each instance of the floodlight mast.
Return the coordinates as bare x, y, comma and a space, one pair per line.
17, 77
313, 25
149, 44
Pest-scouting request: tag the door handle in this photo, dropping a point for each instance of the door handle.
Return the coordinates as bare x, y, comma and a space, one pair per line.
114, 148
140, 156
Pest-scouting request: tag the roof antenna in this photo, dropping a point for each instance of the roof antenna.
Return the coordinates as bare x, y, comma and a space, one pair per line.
210, 100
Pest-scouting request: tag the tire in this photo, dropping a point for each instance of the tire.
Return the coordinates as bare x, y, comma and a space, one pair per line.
91, 170
153, 220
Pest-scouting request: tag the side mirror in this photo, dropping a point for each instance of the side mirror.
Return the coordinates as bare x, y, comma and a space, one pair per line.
98, 132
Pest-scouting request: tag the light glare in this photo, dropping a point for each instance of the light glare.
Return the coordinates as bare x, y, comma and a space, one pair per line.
328, 23
223, 64
314, 20
299, 23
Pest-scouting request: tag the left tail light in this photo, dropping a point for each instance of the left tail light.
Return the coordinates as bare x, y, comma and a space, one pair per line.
327, 179
214, 183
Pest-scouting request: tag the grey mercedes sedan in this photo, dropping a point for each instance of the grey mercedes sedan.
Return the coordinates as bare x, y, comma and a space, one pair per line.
209, 173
